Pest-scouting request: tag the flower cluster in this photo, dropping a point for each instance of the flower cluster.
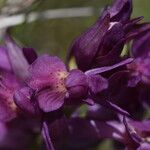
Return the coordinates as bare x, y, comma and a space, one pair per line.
106, 96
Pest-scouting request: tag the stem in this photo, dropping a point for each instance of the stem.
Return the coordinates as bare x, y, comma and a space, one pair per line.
46, 136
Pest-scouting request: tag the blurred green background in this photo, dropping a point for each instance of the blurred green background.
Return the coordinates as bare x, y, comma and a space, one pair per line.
54, 36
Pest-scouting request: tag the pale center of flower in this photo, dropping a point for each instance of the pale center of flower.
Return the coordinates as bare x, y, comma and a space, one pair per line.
60, 84
12, 105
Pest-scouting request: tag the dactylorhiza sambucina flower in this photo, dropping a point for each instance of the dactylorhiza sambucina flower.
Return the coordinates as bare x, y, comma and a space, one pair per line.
141, 52
12, 123
41, 82
13, 60
102, 44
132, 86
51, 85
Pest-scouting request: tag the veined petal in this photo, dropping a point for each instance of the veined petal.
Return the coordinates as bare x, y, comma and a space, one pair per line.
50, 100
113, 36
86, 46
46, 71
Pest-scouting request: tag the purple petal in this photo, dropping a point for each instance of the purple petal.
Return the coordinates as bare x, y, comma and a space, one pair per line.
46, 71
24, 99
76, 84
85, 47
144, 146
121, 94
30, 54
112, 57
140, 68
113, 36
134, 80
121, 10
17, 60
97, 83
107, 68
4, 60
136, 30
141, 126
50, 100
141, 45
133, 22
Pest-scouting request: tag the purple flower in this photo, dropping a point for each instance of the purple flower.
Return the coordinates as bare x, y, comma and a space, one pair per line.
50, 85
141, 51
13, 71
105, 35
102, 44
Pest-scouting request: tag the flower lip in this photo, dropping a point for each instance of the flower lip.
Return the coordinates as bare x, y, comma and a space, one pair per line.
47, 77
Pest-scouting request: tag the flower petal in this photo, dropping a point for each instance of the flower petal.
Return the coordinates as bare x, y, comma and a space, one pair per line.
45, 71
97, 83
25, 100
141, 45
17, 60
4, 60
85, 47
76, 84
121, 10
107, 68
113, 36
50, 100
